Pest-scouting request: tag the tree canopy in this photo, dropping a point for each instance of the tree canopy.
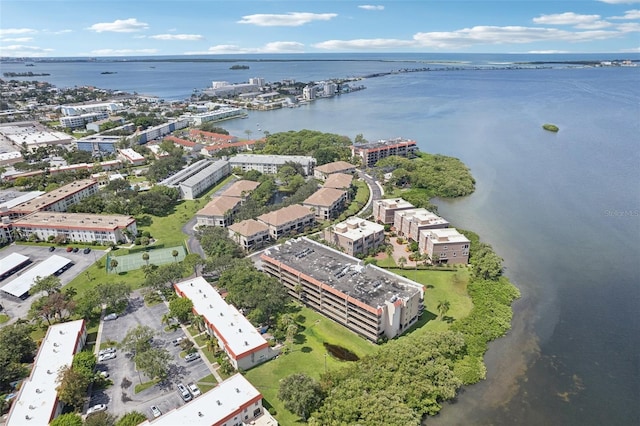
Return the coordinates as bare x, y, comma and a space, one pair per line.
181, 308
301, 394
16, 347
133, 418
324, 147
68, 419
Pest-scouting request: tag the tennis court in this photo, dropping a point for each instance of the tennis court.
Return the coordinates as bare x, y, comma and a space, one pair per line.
130, 262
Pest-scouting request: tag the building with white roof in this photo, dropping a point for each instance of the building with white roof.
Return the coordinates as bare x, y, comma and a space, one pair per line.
70, 110
244, 345
32, 134
131, 156
37, 402
270, 164
355, 236
195, 185
8, 158
444, 245
410, 222
12, 263
384, 210
233, 402
10, 198
20, 286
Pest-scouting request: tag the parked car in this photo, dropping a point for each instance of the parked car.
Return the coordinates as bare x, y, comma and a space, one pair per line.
155, 411
184, 393
107, 351
69, 249
97, 408
194, 389
87, 250
192, 356
52, 248
75, 249
106, 357
177, 341
111, 317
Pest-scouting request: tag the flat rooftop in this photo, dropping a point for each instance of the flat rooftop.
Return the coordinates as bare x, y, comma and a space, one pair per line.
54, 196
394, 203
10, 198
355, 228
22, 284
206, 172
240, 335
37, 398
84, 221
367, 283
270, 159
385, 143
212, 408
11, 261
446, 235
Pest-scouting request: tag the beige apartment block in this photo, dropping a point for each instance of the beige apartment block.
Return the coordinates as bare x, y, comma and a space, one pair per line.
444, 245
58, 200
288, 220
341, 181
324, 171
249, 234
218, 212
409, 223
355, 236
384, 210
241, 189
326, 203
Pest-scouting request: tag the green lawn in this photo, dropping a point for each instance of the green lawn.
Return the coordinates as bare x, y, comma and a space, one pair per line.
360, 199
4, 318
307, 355
206, 383
202, 339
144, 386
387, 262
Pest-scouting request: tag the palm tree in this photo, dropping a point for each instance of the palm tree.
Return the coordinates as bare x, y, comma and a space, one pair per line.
113, 264
443, 308
145, 257
212, 345
402, 261
198, 322
175, 255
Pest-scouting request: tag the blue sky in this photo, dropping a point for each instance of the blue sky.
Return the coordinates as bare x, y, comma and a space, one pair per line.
65, 28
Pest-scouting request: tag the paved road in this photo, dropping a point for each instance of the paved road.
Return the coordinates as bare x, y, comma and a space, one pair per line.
375, 190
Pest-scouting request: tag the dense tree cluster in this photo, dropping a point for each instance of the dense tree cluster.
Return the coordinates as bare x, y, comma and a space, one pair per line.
324, 147
215, 242
438, 175
301, 394
16, 348
114, 295
119, 198
152, 361
164, 167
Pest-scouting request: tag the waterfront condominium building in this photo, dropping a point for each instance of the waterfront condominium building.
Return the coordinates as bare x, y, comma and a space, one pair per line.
37, 402
366, 299
384, 210
218, 212
326, 203
322, 172
233, 402
249, 234
58, 200
372, 152
288, 220
444, 245
409, 223
80, 227
240, 340
270, 164
355, 236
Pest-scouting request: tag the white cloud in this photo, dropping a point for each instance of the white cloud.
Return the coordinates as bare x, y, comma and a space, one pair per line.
364, 44
620, 1
370, 7
14, 31
291, 19
273, 47
22, 50
17, 40
61, 32
122, 52
180, 37
567, 18
546, 52
629, 14
120, 26
629, 27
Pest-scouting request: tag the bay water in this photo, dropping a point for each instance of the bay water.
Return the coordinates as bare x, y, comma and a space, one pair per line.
562, 209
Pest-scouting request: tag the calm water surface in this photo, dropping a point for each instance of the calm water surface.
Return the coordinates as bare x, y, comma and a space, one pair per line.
562, 209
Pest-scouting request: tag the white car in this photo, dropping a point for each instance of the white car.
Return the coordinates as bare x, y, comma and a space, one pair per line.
192, 356
106, 357
111, 317
177, 341
155, 411
97, 408
107, 351
195, 391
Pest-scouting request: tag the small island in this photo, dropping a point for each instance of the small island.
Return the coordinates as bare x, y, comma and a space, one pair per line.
550, 127
239, 67
108, 72
25, 74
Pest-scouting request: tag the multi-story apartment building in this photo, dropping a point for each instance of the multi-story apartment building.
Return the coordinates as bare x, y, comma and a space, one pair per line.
233, 402
218, 212
80, 227
75, 121
444, 245
270, 164
288, 220
384, 210
374, 151
366, 299
241, 189
324, 171
161, 130
98, 143
108, 107
340, 181
326, 203
198, 177
57, 200
37, 402
223, 113
131, 156
409, 223
250, 234
240, 340
355, 236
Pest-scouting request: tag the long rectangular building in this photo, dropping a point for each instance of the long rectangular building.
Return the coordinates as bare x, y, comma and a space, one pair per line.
372, 152
12, 263
59, 199
37, 402
366, 299
81, 227
233, 402
20, 286
204, 179
244, 345
270, 164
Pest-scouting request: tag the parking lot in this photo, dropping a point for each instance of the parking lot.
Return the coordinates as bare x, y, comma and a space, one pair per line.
19, 308
120, 396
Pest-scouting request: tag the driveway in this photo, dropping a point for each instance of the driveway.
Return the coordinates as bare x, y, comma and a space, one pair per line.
120, 397
375, 189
